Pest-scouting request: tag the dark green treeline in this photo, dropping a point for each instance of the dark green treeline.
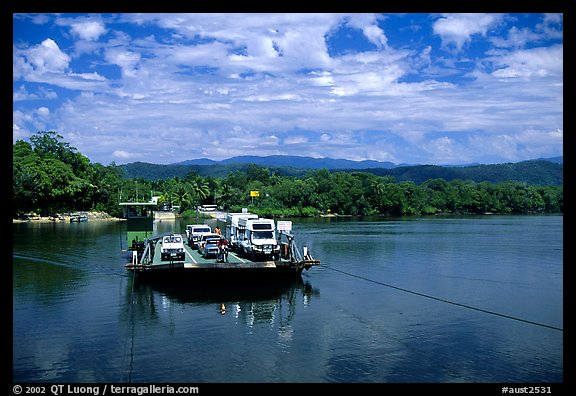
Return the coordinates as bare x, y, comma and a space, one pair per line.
50, 176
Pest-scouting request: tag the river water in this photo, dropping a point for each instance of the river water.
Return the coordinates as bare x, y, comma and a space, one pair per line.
413, 300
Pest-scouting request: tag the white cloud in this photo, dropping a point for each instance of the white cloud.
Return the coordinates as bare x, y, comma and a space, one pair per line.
368, 24
458, 29
218, 85
517, 38
22, 94
445, 150
88, 76
46, 63
43, 111
296, 140
88, 30
322, 79
23, 122
210, 54
19, 133
47, 57
539, 144
127, 60
534, 62
551, 26
270, 40
124, 155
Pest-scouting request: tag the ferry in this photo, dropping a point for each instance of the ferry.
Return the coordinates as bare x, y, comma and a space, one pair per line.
150, 260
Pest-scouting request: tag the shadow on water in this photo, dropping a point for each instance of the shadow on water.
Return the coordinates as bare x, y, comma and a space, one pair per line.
214, 290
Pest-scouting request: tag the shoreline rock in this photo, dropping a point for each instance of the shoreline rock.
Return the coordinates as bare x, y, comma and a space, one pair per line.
65, 218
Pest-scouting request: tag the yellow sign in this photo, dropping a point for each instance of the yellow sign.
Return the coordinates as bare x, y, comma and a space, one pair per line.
254, 193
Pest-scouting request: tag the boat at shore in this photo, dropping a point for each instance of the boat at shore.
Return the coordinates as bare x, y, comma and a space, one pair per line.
149, 259
78, 217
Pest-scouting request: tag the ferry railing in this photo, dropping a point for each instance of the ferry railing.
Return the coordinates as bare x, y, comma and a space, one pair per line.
294, 255
303, 259
145, 259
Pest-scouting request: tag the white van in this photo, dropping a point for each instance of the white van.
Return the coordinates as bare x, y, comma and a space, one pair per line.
234, 230
259, 242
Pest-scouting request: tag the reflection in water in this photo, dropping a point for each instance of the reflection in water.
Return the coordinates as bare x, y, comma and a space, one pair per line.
250, 301
176, 314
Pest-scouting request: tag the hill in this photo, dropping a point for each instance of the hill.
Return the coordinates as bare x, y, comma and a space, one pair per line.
150, 171
535, 172
294, 162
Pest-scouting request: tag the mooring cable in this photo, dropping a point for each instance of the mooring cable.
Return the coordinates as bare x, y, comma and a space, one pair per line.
444, 300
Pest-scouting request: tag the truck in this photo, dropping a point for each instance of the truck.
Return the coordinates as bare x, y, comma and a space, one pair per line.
234, 231
259, 241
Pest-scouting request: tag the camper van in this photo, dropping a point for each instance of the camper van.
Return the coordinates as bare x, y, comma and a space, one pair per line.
259, 240
234, 231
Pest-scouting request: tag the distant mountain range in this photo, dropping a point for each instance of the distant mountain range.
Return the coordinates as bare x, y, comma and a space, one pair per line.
543, 171
294, 162
556, 160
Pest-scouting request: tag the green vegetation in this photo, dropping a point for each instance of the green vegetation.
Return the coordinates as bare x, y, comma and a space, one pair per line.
50, 176
533, 172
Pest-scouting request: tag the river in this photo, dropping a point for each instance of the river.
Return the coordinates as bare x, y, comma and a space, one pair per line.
411, 300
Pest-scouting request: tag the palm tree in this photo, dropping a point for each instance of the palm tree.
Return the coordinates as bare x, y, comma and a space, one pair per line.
226, 196
165, 198
199, 189
183, 198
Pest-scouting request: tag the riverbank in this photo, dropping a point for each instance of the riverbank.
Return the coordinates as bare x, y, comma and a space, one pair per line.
92, 216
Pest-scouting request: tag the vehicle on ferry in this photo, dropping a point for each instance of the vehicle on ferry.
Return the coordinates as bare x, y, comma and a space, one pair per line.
235, 230
259, 241
194, 232
172, 248
166, 256
208, 245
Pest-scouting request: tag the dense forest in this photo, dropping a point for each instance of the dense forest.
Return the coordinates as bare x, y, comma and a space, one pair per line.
50, 176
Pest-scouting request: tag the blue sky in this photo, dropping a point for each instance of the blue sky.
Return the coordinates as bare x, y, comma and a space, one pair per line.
405, 88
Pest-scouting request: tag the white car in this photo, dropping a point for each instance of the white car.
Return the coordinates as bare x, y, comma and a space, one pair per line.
194, 232
172, 248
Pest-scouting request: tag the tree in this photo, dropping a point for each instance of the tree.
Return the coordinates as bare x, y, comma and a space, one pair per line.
183, 198
50, 175
226, 194
25, 178
43, 181
49, 144
200, 189
258, 173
